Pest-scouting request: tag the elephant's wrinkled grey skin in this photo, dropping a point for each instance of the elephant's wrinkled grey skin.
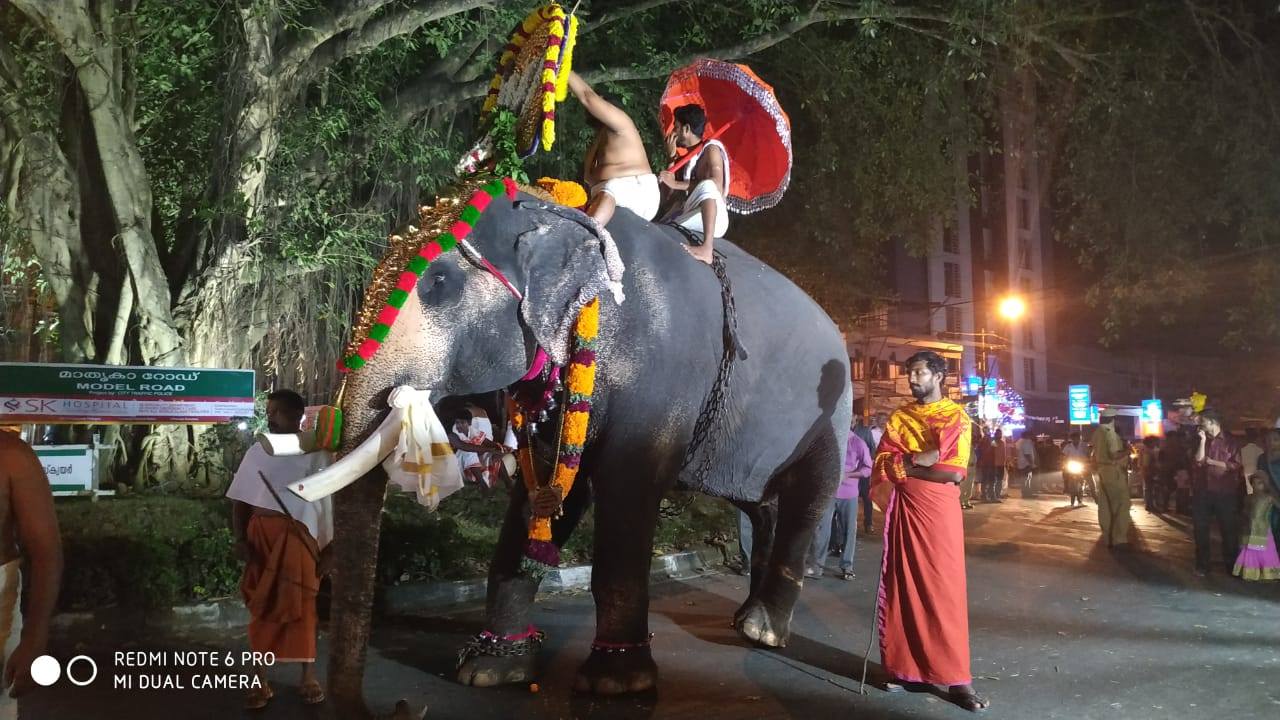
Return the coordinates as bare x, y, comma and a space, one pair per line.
780, 442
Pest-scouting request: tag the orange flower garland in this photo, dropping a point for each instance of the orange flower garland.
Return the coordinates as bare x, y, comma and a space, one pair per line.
564, 192
540, 552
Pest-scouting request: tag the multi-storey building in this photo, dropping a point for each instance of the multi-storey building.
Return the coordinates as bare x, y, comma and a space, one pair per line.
994, 247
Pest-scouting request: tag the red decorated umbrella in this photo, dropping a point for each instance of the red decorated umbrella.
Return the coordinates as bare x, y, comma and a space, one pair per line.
744, 115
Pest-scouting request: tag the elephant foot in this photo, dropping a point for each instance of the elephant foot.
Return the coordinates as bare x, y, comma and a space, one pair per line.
755, 622
491, 671
617, 672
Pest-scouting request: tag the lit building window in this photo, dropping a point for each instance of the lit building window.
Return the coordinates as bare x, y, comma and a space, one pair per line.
1029, 372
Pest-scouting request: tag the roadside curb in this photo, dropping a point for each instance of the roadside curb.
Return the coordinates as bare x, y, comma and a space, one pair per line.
431, 598
420, 598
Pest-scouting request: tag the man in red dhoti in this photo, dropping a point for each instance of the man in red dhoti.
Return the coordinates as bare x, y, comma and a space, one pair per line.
922, 609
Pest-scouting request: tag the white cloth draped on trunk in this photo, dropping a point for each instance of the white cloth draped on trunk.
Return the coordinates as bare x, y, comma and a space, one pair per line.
423, 461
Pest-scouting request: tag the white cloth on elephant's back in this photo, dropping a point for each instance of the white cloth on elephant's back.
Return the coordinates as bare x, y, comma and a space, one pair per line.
281, 471
423, 461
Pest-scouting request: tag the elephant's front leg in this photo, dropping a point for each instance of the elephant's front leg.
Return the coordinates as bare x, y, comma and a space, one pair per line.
509, 603
626, 515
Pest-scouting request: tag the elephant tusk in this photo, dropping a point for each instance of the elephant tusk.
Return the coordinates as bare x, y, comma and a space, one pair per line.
355, 464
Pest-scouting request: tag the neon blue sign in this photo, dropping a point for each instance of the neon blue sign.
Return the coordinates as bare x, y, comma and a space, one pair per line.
1080, 408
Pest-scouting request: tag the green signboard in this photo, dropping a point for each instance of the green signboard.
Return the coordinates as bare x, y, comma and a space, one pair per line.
70, 468
117, 394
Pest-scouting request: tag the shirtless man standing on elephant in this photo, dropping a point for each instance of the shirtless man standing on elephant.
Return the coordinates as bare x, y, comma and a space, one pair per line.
28, 527
616, 168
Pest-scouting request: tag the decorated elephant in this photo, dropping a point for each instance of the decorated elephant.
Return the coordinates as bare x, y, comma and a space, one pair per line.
675, 402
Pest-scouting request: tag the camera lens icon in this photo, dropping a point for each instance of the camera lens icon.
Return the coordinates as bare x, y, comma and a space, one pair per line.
45, 670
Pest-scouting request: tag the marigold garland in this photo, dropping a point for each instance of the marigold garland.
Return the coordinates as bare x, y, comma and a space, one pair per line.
540, 552
566, 58
374, 324
561, 32
564, 192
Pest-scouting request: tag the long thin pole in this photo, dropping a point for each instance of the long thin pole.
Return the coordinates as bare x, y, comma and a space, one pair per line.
866, 372
982, 366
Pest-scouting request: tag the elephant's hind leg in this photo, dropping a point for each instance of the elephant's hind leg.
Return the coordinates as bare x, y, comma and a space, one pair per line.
626, 515
511, 592
763, 517
803, 491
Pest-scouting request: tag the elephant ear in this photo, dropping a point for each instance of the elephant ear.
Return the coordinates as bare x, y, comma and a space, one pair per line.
567, 259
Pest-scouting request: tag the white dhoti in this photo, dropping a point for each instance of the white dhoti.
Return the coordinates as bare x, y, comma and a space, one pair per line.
637, 193
10, 626
691, 214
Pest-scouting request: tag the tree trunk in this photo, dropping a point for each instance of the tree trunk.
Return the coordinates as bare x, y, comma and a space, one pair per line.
44, 201
86, 37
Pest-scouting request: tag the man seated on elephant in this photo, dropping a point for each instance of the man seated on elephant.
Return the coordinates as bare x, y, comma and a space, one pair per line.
616, 168
704, 180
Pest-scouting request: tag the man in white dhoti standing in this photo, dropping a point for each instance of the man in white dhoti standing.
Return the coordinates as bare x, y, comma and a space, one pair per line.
284, 542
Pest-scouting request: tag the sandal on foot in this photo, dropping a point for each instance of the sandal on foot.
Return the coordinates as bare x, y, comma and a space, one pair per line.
257, 698
894, 687
312, 693
971, 701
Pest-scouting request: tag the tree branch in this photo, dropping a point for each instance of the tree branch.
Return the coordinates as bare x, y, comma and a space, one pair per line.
10, 73
393, 24
432, 92
321, 28
611, 16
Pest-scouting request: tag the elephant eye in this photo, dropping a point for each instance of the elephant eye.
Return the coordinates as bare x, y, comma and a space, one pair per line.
437, 288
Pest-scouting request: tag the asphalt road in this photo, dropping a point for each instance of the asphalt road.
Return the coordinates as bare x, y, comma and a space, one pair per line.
1061, 628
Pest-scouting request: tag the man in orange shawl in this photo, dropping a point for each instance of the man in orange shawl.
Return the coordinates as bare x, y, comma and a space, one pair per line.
922, 607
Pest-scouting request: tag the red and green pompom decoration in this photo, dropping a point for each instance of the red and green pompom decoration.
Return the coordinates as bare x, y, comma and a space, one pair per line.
412, 272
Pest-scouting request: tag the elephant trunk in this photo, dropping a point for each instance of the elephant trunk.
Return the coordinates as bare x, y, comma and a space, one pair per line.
357, 524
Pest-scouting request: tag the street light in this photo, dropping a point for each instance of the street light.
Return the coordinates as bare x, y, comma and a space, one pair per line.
1012, 307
